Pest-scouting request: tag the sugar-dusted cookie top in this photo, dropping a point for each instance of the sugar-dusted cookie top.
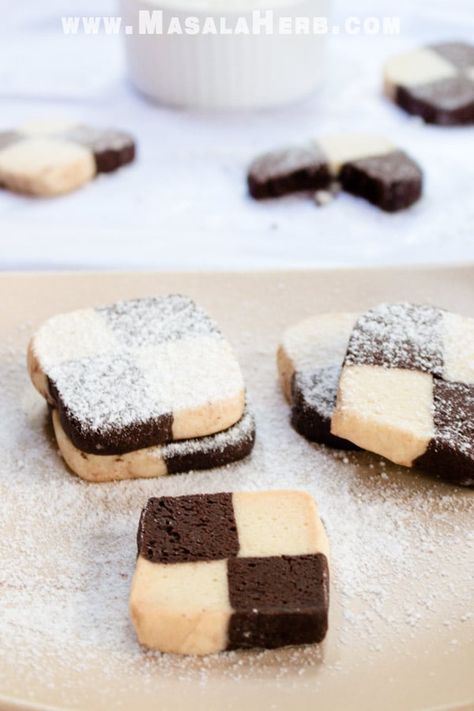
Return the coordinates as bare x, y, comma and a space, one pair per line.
137, 373
434, 82
406, 389
366, 165
48, 158
406, 336
397, 380
228, 571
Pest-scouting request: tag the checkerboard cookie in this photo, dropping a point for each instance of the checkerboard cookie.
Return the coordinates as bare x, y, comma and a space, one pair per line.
227, 571
434, 82
52, 158
136, 374
365, 165
309, 361
406, 389
397, 380
184, 455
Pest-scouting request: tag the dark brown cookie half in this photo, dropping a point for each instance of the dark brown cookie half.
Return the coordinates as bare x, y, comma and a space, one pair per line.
448, 102
288, 171
313, 401
277, 601
112, 149
392, 182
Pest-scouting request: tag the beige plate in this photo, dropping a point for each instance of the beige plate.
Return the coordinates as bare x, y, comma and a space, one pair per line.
401, 631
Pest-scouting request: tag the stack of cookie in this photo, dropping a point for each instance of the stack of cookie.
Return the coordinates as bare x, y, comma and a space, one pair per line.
142, 388
397, 380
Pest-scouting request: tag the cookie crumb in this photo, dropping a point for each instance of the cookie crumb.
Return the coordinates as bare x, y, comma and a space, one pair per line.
323, 197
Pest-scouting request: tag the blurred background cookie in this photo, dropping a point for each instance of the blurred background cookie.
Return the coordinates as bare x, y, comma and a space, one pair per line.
365, 165
48, 158
435, 83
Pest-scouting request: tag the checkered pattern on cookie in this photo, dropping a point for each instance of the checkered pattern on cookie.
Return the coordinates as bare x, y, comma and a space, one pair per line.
227, 571
186, 455
406, 389
51, 158
309, 360
435, 82
366, 165
137, 374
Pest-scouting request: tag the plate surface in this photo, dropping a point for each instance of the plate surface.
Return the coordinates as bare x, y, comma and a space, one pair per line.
401, 630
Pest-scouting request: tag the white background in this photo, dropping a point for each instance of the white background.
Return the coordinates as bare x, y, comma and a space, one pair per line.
183, 205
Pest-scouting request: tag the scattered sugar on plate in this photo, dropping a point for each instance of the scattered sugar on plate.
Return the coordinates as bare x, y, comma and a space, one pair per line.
68, 550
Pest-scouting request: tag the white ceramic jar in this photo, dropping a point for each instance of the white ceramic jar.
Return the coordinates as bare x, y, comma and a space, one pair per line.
265, 52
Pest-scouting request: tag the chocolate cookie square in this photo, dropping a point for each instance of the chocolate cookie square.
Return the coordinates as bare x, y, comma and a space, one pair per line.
392, 182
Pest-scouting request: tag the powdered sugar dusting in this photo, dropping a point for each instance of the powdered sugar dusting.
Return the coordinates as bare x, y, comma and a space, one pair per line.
288, 160
240, 432
71, 337
148, 322
401, 549
320, 341
398, 336
316, 348
136, 361
454, 420
319, 388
